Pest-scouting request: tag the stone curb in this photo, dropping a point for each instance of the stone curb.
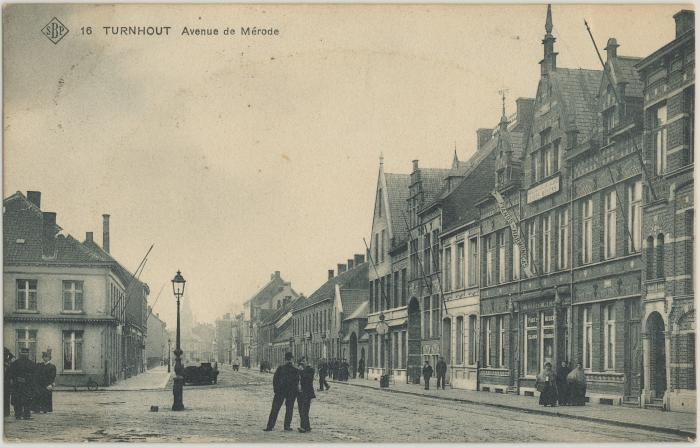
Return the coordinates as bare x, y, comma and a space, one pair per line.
668, 430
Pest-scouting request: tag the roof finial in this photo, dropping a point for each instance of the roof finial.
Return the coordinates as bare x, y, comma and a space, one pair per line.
502, 92
548, 24
381, 159
455, 159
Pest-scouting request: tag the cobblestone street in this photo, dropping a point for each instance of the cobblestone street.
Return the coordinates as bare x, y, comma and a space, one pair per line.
236, 409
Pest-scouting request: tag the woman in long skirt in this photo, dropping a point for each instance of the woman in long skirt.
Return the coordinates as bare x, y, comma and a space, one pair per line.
577, 385
547, 387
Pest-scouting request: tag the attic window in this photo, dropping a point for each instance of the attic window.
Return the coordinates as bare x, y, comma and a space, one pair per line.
20, 241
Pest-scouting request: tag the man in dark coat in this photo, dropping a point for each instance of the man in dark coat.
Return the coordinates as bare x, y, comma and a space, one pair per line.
563, 370
322, 373
306, 393
7, 387
45, 376
21, 374
344, 371
441, 371
285, 383
427, 374
361, 368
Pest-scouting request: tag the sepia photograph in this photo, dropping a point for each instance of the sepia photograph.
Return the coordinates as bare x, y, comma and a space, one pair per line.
348, 223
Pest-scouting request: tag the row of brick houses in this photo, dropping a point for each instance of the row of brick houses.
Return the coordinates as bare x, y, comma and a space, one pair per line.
567, 236
69, 297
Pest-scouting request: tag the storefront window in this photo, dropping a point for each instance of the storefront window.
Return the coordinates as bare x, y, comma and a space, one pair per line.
547, 338
531, 345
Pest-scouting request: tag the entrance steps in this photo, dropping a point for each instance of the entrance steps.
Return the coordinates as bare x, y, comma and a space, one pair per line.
631, 401
512, 390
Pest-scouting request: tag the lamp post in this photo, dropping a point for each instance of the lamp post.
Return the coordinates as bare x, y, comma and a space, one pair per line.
178, 291
383, 329
169, 351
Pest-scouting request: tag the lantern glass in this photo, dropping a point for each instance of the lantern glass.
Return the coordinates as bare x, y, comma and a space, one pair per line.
178, 285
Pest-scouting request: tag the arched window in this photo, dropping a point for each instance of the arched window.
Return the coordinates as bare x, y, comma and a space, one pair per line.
650, 258
660, 256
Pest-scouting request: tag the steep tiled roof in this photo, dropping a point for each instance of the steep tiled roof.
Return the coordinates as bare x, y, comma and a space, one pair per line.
578, 88
624, 71
433, 180
24, 221
397, 192
279, 313
352, 299
359, 313
269, 290
355, 278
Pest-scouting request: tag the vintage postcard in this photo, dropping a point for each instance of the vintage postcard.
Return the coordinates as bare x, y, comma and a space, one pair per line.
348, 223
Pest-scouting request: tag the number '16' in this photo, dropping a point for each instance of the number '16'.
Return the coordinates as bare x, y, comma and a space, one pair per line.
86, 30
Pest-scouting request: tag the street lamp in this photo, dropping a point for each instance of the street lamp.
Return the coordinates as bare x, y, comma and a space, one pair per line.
169, 351
178, 291
383, 329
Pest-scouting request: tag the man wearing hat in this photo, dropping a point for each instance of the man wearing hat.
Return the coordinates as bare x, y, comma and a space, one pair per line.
285, 383
45, 377
306, 393
21, 374
8, 356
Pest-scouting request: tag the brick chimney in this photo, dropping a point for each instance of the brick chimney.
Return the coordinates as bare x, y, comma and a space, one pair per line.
330, 273
88, 236
49, 234
105, 232
524, 108
359, 259
482, 137
341, 268
275, 275
34, 197
611, 48
685, 21
351, 264
415, 165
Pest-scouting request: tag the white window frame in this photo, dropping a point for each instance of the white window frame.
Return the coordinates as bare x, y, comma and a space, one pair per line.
502, 338
487, 334
501, 243
489, 261
459, 266
459, 340
563, 246
532, 242
587, 230
610, 225
660, 139
587, 335
609, 336
473, 262
634, 215
28, 340
74, 350
546, 243
24, 288
73, 291
447, 269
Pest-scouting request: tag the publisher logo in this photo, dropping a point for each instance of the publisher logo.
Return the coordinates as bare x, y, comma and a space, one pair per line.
55, 30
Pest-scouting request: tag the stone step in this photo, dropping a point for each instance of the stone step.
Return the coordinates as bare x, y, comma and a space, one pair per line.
655, 406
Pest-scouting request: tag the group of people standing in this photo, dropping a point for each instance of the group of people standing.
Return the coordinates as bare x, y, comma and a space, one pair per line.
28, 386
337, 369
292, 383
566, 386
440, 372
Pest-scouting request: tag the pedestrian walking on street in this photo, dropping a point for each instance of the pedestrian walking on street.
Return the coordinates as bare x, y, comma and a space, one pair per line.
285, 383
562, 387
576, 381
427, 374
547, 386
7, 387
322, 373
441, 372
306, 393
22, 372
344, 371
45, 377
361, 367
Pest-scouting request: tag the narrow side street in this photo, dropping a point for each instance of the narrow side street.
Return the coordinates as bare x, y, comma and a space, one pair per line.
236, 409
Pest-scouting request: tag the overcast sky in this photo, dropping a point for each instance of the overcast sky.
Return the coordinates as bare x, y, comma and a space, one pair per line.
238, 156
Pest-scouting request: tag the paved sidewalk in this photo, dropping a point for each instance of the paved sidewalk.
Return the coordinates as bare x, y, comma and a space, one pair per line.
683, 424
153, 379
